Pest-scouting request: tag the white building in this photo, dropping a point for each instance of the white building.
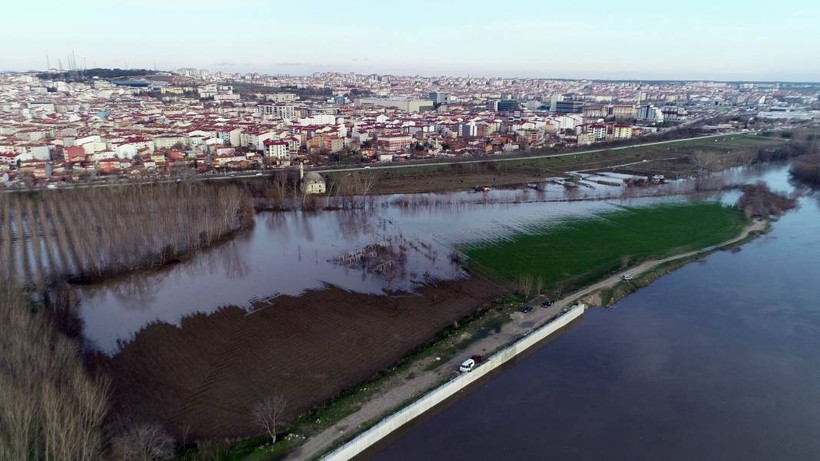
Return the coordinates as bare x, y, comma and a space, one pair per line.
277, 111
277, 150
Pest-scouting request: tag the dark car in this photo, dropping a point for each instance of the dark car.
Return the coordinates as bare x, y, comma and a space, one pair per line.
547, 303
526, 309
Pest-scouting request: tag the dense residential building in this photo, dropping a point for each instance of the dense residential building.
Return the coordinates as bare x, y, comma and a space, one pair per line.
279, 111
405, 104
55, 130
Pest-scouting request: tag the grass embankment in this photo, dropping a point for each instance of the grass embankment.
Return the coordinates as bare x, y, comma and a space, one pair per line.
576, 252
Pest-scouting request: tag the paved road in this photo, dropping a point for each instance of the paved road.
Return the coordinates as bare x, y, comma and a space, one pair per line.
400, 389
527, 157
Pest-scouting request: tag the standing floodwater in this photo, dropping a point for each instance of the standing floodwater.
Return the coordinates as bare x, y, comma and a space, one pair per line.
715, 361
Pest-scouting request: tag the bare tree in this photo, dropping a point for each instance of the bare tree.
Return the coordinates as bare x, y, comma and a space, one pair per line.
525, 282
705, 164
354, 188
143, 442
49, 407
268, 413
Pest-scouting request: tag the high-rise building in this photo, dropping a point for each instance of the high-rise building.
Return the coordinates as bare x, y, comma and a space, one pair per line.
439, 97
569, 107
650, 113
554, 100
508, 105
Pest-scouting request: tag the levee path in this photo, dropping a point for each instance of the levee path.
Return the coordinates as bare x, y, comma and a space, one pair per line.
401, 390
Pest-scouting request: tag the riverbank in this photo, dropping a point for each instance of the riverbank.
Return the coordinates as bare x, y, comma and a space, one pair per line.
424, 378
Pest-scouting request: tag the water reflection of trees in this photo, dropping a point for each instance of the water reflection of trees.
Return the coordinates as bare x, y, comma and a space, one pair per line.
306, 227
138, 291
355, 223
277, 222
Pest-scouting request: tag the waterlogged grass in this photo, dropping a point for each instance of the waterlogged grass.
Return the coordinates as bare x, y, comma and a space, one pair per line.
579, 251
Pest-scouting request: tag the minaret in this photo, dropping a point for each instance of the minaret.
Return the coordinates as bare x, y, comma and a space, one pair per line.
301, 171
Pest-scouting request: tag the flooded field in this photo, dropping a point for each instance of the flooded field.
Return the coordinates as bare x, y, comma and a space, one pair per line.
290, 252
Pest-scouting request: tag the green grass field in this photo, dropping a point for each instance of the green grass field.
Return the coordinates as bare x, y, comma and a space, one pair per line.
577, 252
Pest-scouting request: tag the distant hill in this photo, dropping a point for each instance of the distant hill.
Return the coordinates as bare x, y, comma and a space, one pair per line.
76, 75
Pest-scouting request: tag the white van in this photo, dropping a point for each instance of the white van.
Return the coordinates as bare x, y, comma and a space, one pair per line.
467, 366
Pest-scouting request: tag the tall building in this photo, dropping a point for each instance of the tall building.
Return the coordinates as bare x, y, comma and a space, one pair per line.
569, 107
439, 97
554, 100
508, 105
650, 113
468, 130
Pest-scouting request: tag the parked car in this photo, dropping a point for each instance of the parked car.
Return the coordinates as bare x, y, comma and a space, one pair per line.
626, 277
467, 366
526, 309
547, 303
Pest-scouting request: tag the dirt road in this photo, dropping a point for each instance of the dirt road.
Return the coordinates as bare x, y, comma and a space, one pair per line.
401, 389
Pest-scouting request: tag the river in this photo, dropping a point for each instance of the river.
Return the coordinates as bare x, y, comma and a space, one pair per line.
718, 360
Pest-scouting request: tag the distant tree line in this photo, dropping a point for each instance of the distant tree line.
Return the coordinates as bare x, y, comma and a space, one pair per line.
807, 168
78, 75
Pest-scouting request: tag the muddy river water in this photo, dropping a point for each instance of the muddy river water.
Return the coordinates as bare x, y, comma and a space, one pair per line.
717, 360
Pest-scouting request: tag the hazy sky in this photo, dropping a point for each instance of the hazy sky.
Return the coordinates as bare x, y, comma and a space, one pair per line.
692, 39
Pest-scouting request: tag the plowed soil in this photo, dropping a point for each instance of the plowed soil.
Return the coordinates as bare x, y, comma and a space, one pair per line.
201, 379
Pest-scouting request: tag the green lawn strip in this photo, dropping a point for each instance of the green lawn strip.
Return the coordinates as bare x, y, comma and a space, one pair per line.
576, 252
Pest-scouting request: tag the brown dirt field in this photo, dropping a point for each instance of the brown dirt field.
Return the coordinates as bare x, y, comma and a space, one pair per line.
201, 379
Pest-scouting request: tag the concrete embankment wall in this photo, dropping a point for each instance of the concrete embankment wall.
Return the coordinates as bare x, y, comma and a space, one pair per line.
448, 389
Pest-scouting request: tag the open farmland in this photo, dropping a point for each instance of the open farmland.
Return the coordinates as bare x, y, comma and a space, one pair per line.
575, 252
202, 378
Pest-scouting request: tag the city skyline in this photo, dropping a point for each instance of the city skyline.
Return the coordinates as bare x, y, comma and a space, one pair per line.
631, 40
